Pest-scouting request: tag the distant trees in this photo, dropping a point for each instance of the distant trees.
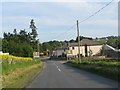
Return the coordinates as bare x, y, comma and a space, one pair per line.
24, 43
82, 37
113, 41
0, 44
51, 45
20, 43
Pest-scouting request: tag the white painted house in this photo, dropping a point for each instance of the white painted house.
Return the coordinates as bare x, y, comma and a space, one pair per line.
59, 51
87, 48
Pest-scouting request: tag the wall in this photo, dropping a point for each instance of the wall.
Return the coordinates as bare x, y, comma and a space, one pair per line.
112, 54
59, 52
95, 50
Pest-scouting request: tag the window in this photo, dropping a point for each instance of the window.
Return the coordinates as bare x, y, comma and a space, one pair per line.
73, 48
68, 48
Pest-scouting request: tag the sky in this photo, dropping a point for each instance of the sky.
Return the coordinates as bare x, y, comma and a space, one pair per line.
56, 19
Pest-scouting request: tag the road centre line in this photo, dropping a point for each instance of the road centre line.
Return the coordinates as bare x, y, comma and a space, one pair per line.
57, 67
59, 70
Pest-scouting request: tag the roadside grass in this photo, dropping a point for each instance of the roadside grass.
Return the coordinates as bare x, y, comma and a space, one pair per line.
20, 72
21, 77
8, 68
105, 68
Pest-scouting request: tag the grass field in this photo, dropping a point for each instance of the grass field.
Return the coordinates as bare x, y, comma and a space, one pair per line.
106, 68
17, 72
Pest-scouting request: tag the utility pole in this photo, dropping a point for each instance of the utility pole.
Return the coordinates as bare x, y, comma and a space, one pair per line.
78, 33
38, 47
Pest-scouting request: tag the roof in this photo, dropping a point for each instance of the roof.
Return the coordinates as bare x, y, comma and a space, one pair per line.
82, 43
108, 47
85, 42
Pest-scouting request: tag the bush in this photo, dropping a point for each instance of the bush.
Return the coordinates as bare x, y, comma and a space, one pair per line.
17, 49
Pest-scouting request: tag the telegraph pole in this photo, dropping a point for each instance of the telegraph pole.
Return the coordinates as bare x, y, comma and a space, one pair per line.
78, 33
38, 47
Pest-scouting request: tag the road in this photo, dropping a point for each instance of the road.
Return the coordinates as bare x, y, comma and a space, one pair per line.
58, 75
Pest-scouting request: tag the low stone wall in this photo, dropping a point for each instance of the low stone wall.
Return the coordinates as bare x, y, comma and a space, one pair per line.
112, 54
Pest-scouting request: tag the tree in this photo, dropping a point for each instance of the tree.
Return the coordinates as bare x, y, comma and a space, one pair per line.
33, 35
27, 50
18, 44
15, 32
82, 37
72, 41
34, 32
23, 36
0, 44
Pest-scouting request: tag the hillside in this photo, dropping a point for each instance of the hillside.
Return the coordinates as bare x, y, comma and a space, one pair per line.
113, 41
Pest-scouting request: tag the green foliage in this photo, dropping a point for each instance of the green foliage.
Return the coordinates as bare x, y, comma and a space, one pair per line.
28, 50
82, 37
110, 40
51, 45
17, 72
33, 35
34, 32
20, 43
106, 68
9, 68
0, 44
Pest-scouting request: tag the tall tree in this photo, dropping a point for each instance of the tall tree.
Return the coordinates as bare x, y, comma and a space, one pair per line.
34, 32
33, 35
15, 31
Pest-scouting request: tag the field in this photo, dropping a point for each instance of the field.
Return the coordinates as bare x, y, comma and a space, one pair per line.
106, 68
17, 72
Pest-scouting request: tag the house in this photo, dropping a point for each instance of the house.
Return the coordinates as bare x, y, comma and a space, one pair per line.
87, 48
60, 50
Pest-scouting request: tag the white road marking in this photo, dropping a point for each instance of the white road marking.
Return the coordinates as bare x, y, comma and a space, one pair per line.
57, 67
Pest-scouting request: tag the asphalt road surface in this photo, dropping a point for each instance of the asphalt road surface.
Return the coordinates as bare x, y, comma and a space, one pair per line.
57, 75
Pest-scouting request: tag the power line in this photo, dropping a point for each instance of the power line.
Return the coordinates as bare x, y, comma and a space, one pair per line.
96, 12
68, 30
84, 20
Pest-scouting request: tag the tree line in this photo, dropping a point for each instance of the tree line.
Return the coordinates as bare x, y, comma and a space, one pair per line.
21, 43
24, 43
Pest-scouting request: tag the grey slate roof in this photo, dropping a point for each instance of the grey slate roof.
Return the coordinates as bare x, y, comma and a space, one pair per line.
85, 42
82, 43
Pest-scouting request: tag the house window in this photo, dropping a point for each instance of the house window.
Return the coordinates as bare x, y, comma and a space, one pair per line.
68, 48
73, 48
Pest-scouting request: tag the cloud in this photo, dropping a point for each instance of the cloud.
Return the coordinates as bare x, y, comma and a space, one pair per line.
58, 0
54, 18
102, 23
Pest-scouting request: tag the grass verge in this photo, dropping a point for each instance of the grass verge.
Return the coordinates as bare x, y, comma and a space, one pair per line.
21, 77
19, 74
103, 68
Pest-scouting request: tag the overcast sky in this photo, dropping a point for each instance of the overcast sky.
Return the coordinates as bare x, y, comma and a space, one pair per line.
55, 18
